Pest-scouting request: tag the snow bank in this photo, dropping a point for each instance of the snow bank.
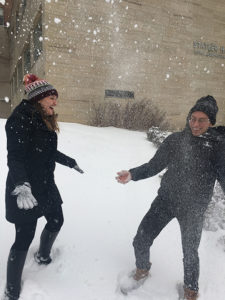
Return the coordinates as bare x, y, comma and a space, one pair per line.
101, 218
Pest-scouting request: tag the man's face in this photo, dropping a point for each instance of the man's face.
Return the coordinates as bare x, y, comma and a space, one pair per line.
199, 123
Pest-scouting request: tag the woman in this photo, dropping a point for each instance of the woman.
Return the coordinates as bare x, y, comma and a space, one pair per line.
31, 191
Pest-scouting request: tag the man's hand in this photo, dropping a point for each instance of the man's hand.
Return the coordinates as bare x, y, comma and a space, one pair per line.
25, 199
78, 169
123, 177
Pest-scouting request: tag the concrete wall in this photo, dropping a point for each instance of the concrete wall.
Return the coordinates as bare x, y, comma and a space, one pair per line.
170, 52
21, 35
4, 73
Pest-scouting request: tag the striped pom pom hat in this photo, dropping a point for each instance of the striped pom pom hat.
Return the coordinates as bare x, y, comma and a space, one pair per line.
37, 89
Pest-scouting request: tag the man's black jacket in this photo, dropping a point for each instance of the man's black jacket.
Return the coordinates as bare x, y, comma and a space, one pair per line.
192, 166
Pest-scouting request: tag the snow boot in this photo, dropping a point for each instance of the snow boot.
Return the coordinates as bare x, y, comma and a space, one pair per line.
42, 256
190, 294
15, 266
9, 297
133, 280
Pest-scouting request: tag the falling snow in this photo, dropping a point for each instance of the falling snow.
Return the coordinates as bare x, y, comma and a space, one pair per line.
57, 20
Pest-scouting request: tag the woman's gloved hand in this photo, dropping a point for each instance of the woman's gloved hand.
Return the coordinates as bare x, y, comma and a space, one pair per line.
25, 199
78, 169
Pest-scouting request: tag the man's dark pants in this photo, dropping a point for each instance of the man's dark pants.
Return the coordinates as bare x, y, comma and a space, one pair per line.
191, 223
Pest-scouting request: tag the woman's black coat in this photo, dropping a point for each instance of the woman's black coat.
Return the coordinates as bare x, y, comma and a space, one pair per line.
192, 166
32, 154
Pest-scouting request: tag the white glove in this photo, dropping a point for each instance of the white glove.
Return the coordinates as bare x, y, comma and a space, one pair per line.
25, 199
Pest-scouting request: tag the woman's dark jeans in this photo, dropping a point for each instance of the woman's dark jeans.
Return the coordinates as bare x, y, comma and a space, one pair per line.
25, 232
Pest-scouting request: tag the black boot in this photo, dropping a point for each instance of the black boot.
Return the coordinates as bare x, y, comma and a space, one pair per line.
47, 239
15, 266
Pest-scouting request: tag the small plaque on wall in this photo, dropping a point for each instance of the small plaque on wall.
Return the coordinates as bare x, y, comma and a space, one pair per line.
119, 94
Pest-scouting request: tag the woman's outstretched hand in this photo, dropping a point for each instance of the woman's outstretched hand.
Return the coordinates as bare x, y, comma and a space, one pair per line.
78, 169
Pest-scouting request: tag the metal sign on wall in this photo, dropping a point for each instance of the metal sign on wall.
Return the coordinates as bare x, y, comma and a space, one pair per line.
208, 49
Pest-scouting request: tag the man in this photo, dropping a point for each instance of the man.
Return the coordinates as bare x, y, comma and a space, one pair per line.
193, 165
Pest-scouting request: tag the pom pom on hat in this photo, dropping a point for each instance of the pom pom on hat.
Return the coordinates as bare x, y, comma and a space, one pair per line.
29, 78
37, 89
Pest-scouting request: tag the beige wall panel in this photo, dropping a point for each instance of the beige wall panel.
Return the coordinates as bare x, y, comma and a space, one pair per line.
4, 109
78, 109
136, 45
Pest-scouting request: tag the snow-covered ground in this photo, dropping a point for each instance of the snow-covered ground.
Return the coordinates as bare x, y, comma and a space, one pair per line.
101, 218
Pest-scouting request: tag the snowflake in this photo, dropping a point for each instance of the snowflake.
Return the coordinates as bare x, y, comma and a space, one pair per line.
57, 20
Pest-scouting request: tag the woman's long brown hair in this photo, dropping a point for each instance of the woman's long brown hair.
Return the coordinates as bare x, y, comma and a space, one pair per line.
50, 121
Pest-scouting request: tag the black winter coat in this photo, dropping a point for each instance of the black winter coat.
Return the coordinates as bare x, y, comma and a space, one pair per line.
32, 154
192, 166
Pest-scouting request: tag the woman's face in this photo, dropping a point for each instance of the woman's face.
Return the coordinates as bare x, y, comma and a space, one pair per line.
48, 104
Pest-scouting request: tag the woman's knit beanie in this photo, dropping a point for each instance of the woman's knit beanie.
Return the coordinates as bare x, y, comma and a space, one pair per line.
37, 89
